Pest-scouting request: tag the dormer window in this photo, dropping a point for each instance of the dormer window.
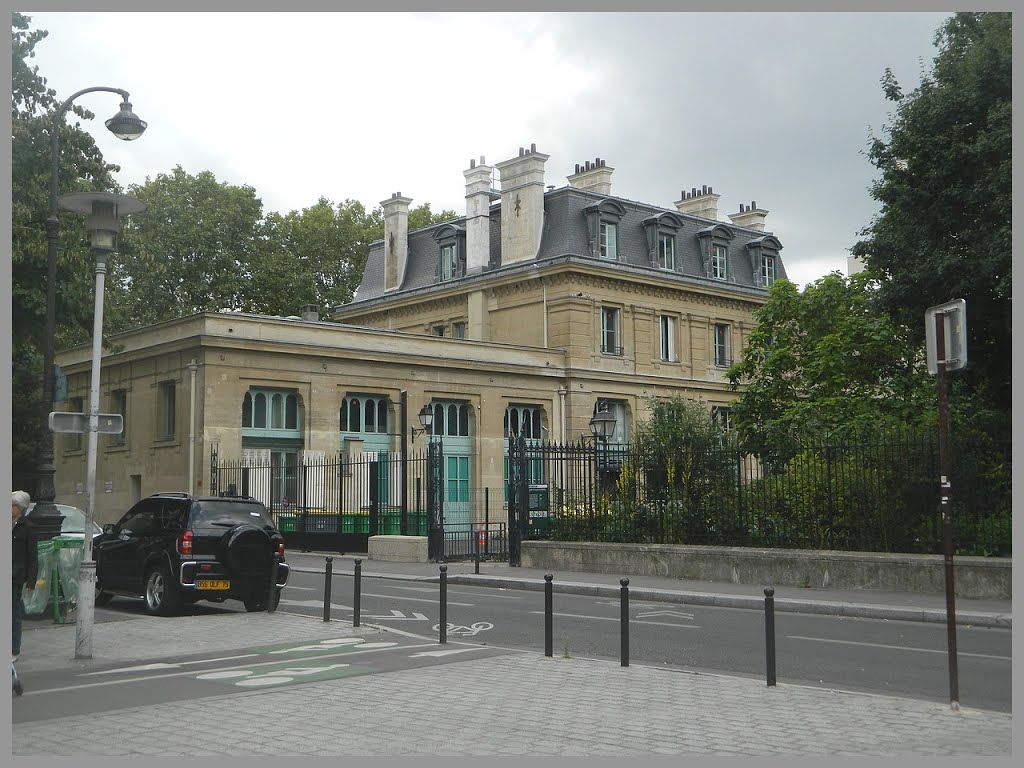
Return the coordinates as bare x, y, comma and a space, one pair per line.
714, 246
451, 260
764, 260
608, 246
767, 270
603, 225
719, 262
662, 234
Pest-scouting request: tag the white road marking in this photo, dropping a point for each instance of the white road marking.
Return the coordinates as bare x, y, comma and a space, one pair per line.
182, 673
399, 615
166, 665
470, 631
443, 653
898, 647
616, 618
413, 599
674, 614
314, 604
329, 645
304, 589
461, 592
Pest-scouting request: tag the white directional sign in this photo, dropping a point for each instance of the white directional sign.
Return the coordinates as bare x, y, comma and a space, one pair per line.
107, 424
954, 318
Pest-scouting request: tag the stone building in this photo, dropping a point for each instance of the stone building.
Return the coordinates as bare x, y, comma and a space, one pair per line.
537, 308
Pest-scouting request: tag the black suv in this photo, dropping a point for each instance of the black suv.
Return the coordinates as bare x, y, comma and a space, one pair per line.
174, 549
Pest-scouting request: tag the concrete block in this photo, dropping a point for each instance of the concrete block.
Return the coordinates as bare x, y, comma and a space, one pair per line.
402, 549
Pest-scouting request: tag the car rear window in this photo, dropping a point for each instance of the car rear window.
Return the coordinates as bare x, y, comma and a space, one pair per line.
208, 514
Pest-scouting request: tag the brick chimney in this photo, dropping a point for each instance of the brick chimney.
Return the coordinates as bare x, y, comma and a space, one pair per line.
396, 240
701, 202
594, 176
522, 205
750, 217
478, 215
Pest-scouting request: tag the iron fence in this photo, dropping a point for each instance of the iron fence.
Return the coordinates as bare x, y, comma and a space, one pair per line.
873, 496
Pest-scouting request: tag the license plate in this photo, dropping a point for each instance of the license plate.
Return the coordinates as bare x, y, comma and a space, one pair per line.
213, 584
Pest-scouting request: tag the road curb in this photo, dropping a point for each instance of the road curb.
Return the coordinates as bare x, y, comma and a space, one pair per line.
785, 605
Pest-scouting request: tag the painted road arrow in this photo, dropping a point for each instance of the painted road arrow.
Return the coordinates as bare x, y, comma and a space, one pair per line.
675, 614
399, 615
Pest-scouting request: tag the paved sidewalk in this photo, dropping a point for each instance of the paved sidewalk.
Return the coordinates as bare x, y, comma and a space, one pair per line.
521, 703
863, 603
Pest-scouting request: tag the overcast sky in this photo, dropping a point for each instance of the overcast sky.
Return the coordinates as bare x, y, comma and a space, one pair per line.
776, 108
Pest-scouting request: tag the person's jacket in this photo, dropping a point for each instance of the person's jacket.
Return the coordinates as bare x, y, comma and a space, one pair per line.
25, 556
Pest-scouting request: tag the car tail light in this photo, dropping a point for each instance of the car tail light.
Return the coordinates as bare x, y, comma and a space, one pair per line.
279, 548
185, 543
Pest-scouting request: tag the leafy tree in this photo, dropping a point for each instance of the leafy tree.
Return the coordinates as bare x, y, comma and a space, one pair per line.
80, 167
826, 362
945, 188
421, 216
315, 256
191, 250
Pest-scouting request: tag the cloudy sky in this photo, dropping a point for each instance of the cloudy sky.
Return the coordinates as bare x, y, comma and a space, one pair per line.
776, 108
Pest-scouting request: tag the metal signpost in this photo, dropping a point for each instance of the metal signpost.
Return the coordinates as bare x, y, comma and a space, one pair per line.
946, 348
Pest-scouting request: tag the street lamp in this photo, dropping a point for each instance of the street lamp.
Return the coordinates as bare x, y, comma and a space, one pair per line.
426, 417
105, 210
602, 427
125, 125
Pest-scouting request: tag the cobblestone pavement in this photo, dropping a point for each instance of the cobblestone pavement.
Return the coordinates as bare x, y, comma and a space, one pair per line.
521, 703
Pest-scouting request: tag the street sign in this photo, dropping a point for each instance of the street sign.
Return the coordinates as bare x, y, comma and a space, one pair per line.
954, 316
109, 423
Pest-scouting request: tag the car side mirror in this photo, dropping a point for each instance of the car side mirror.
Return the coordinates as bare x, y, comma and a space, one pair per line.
108, 528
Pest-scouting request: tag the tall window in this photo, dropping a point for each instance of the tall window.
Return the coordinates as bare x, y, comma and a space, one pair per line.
722, 416
449, 262
523, 420
168, 395
610, 331
270, 409
609, 241
364, 414
459, 330
721, 351
668, 338
119, 404
718, 262
667, 251
451, 419
767, 270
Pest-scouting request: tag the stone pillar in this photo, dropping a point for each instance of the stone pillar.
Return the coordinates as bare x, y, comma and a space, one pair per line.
522, 205
478, 216
396, 240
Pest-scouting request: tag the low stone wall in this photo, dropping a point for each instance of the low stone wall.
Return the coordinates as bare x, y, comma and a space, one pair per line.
974, 577
401, 549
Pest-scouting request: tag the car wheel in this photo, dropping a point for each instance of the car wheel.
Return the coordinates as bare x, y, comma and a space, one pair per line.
162, 598
102, 598
257, 601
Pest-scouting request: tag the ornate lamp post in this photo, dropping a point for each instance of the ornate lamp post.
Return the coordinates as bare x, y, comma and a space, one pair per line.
105, 210
125, 125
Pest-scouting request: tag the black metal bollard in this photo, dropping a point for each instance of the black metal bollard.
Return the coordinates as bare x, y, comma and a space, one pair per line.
548, 589
328, 577
357, 588
769, 634
272, 587
444, 605
476, 551
624, 619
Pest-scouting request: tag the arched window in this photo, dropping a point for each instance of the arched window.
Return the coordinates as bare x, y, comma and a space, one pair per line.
370, 409
259, 411
291, 412
364, 414
354, 423
277, 411
382, 416
247, 410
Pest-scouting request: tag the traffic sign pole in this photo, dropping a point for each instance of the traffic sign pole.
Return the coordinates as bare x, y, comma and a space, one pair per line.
945, 494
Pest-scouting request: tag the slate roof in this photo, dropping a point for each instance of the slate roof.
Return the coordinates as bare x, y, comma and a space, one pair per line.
566, 234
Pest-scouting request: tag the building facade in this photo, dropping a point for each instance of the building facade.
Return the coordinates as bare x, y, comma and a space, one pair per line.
535, 309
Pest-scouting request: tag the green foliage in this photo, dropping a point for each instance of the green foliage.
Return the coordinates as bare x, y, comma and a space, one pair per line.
825, 362
945, 166
80, 167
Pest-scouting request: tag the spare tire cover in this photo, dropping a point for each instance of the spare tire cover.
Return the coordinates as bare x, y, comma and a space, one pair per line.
246, 549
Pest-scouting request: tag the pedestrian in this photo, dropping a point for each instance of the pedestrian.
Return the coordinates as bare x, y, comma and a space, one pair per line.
24, 563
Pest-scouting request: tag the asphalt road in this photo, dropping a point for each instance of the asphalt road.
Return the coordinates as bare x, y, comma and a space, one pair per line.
896, 657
